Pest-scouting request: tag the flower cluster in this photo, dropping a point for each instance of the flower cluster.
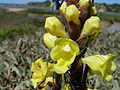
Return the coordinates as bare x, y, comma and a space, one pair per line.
65, 40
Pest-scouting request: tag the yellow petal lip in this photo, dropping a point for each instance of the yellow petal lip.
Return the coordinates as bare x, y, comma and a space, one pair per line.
55, 27
39, 65
61, 66
72, 14
49, 40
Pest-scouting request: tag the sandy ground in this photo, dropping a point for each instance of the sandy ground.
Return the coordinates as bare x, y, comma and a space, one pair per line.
15, 9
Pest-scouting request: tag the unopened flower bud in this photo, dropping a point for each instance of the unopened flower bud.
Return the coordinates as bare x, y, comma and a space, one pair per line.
91, 27
55, 27
84, 2
49, 40
93, 10
72, 14
63, 7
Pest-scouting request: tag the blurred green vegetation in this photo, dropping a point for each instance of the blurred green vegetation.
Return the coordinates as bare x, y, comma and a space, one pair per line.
10, 32
109, 7
39, 4
113, 8
42, 11
109, 17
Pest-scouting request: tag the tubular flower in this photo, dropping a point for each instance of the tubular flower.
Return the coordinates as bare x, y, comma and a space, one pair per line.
63, 7
84, 2
72, 14
91, 27
101, 65
64, 53
40, 71
49, 40
55, 27
65, 49
93, 10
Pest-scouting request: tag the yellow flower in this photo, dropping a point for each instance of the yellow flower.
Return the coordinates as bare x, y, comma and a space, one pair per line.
49, 40
63, 7
40, 70
39, 66
84, 2
91, 27
72, 14
93, 10
64, 48
101, 65
64, 53
55, 27
62, 65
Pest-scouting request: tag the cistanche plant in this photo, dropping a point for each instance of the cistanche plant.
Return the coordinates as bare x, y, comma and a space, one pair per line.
68, 40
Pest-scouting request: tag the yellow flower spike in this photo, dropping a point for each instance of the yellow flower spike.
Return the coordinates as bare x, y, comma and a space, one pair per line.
84, 2
91, 27
55, 27
41, 70
93, 10
63, 7
49, 40
101, 65
72, 14
65, 49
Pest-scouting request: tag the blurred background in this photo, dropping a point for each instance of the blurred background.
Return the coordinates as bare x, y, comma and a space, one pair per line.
21, 31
